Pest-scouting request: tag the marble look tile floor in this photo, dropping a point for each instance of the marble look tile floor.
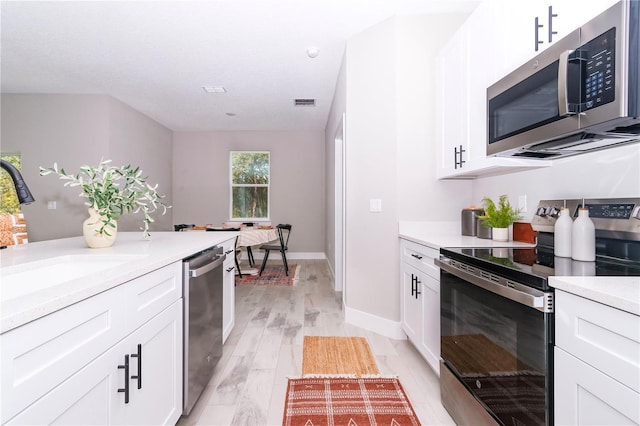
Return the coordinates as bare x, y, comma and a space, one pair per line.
265, 348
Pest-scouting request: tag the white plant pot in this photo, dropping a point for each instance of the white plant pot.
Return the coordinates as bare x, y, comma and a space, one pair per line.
90, 229
500, 234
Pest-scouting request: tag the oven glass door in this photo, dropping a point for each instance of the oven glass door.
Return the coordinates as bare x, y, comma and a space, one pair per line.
499, 349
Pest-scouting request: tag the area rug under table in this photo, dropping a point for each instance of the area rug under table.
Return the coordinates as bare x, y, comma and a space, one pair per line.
337, 355
272, 275
347, 401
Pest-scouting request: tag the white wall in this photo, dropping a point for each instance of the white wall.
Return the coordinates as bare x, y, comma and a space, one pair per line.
74, 130
420, 196
602, 174
201, 180
338, 107
390, 148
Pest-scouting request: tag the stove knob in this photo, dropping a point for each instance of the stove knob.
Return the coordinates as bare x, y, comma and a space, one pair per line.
554, 212
542, 212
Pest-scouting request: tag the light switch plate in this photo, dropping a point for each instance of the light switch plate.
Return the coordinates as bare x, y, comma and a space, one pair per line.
375, 205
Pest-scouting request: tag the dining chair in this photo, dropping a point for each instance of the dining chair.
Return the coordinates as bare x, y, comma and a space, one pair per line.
284, 231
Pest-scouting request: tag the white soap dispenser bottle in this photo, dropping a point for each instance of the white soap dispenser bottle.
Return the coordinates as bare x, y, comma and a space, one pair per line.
583, 237
562, 234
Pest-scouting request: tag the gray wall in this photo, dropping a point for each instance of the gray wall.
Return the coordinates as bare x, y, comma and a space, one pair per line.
74, 130
390, 144
201, 180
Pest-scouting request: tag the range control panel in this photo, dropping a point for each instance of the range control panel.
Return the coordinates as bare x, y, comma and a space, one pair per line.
611, 216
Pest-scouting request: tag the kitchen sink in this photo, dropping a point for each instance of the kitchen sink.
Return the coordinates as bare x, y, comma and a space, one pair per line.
31, 277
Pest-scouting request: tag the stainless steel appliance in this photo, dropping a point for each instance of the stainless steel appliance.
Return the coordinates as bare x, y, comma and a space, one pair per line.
497, 314
202, 293
581, 94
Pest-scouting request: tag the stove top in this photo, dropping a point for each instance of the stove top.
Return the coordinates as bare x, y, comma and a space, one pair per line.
532, 266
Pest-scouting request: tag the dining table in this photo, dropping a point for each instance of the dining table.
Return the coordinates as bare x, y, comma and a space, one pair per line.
254, 236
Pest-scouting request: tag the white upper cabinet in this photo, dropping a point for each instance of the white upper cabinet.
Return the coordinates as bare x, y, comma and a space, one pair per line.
467, 65
498, 37
516, 25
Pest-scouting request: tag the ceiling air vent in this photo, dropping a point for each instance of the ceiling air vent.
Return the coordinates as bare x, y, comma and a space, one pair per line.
304, 102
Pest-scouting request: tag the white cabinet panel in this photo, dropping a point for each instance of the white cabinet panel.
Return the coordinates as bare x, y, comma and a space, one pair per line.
586, 396
41, 354
597, 363
229, 289
157, 397
430, 342
605, 337
63, 367
94, 395
411, 304
420, 299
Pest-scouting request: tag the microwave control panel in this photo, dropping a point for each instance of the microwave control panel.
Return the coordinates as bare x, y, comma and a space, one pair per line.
598, 70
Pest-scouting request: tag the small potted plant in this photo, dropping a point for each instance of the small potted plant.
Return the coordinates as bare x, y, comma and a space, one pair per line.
499, 217
111, 192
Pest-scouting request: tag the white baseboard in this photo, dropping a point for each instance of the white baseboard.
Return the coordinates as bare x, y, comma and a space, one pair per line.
383, 326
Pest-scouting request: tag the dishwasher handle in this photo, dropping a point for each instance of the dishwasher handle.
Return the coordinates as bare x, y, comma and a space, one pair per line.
207, 267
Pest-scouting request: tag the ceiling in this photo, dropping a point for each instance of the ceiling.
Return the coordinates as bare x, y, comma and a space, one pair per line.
156, 56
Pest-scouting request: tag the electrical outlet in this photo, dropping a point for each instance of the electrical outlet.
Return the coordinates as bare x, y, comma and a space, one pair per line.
522, 203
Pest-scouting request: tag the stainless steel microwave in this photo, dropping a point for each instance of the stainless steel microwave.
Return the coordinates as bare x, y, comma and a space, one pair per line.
579, 95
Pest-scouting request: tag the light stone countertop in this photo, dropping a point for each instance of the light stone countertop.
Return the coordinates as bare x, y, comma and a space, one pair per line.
134, 257
447, 234
618, 292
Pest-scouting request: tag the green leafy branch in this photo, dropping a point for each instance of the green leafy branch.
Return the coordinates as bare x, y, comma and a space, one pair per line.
113, 191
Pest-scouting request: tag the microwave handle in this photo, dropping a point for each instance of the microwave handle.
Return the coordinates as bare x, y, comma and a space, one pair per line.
563, 78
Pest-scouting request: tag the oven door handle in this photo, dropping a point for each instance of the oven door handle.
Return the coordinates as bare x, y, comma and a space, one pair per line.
531, 298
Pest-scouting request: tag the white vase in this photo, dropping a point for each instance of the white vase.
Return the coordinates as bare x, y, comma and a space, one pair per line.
92, 237
500, 234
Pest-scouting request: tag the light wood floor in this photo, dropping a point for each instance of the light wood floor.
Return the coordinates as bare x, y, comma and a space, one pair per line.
265, 348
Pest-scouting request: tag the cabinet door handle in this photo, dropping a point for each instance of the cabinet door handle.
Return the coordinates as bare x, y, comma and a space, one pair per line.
537, 28
550, 24
231, 268
418, 292
138, 355
125, 366
413, 279
417, 256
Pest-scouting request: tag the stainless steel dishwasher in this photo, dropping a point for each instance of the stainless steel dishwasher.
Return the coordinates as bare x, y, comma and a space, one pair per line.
202, 293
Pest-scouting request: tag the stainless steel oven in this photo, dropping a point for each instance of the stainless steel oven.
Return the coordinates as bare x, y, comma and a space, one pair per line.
497, 340
497, 313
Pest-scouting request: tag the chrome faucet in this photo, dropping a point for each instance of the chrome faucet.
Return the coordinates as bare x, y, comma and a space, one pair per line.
24, 195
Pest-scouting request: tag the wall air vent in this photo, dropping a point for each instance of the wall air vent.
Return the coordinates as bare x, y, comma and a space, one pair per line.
304, 102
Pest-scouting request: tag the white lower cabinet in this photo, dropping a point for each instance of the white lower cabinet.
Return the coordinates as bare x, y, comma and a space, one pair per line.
229, 288
420, 300
597, 363
70, 367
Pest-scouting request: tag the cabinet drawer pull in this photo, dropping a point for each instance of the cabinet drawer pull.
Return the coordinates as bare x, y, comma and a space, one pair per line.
417, 256
228, 251
138, 355
125, 366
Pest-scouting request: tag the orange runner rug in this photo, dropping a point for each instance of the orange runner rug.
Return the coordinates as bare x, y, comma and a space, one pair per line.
331, 355
347, 401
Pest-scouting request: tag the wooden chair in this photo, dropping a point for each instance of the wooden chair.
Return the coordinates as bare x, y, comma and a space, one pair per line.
284, 231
